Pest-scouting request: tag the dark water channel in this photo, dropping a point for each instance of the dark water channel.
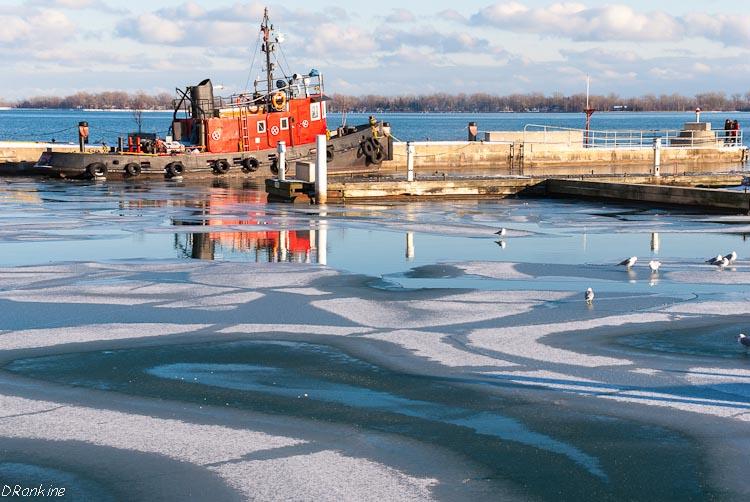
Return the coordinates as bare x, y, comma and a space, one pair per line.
544, 450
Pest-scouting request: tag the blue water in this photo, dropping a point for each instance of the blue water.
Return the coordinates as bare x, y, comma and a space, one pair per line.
61, 125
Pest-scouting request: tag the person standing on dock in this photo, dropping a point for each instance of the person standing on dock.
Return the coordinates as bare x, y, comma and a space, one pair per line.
728, 131
736, 132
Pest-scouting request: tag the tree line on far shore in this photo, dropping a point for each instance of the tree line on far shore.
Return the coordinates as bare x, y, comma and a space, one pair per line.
433, 103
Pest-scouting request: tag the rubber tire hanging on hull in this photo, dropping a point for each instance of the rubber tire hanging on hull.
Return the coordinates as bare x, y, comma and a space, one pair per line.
220, 167
373, 151
133, 169
275, 167
96, 170
330, 154
174, 169
250, 165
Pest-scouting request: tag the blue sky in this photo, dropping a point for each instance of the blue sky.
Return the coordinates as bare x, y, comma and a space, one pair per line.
386, 47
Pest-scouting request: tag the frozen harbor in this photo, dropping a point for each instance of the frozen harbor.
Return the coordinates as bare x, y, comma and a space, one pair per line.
173, 341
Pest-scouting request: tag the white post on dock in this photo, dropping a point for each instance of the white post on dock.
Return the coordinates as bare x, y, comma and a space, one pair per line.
281, 160
321, 170
409, 246
410, 151
657, 157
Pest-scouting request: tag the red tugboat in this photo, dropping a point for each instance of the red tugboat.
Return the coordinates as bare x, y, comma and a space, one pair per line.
236, 135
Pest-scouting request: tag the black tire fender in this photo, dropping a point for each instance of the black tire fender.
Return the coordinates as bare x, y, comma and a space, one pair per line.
221, 166
132, 169
96, 170
368, 148
275, 167
250, 165
174, 169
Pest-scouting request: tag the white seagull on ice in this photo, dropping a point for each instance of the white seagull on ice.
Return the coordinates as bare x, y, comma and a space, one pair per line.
501, 232
732, 257
743, 340
715, 260
654, 266
589, 296
629, 262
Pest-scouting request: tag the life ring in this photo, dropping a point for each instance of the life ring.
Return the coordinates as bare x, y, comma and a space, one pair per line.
96, 170
275, 131
216, 135
133, 169
278, 101
221, 166
305, 124
174, 169
250, 165
253, 109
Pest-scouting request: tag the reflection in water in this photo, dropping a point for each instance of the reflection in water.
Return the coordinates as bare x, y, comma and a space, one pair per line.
219, 210
410, 245
655, 242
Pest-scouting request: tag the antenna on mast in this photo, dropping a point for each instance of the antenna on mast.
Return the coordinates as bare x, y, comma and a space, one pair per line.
268, 47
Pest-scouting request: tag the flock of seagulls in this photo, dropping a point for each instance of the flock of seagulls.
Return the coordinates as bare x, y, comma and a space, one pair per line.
654, 265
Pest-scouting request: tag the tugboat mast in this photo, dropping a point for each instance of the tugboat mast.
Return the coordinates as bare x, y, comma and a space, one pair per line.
267, 48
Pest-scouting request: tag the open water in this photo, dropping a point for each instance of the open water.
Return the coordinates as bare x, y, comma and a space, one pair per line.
61, 125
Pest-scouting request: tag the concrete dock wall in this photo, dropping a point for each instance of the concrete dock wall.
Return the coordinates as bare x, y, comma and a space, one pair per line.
27, 151
706, 198
539, 159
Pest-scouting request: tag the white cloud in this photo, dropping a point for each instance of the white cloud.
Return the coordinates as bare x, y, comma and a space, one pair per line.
400, 16
35, 27
613, 22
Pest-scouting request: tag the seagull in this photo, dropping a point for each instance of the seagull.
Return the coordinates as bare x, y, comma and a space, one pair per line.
589, 296
724, 262
715, 260
501, 232
654, 266
629, 262
743, 340
732, 257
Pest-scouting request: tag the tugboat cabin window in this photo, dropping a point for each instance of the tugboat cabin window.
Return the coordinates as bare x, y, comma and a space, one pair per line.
261, 126
323, 109
314, 111
284, 123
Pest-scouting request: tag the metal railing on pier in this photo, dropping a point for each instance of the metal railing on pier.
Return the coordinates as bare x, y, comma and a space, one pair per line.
670, 138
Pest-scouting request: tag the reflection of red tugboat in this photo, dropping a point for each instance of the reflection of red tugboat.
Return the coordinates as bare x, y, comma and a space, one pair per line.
237, 135
266, 245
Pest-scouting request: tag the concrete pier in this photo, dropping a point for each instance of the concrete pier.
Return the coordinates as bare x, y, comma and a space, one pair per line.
538, 159
705, 198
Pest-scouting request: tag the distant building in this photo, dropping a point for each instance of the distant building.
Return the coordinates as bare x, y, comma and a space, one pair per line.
620, 108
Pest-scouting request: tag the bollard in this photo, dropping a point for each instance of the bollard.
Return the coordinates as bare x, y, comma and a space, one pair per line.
281, 160
321, 170
409, 246
655, 242
119, 144
410, 151
473, 131
83, 135
657, 157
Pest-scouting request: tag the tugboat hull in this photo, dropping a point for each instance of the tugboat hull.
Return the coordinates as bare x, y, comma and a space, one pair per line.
352, 150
